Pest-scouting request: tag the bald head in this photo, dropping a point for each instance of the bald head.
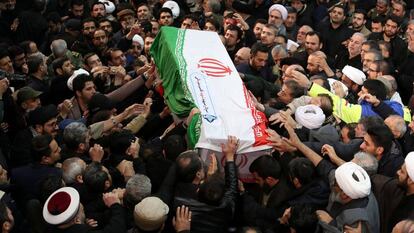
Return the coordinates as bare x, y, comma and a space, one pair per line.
242, 56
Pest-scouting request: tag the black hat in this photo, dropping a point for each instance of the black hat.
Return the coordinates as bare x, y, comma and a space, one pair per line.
42, 114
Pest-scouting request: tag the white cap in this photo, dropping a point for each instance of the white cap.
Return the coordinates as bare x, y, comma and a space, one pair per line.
353, 180
138, 38
310, 116
174, 8
409, 165
75, 74
109, 6
281, 9
61, 206
356, 75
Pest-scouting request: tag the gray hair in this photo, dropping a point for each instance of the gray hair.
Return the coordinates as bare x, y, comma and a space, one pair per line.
71, 168
58, 47
377, 54
214, 6
383, 2
74, 134
398, 124
360, 35
137, 188
279, 49
367, 161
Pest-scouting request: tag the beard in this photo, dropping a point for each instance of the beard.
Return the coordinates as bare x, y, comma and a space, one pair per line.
337, 198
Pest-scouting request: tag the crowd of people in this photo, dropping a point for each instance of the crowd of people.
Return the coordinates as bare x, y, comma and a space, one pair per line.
87, 143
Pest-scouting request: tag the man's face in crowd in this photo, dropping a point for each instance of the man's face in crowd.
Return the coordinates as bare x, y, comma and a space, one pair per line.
186, 24
313, 66
20, 60
257, 30
376, 27
127, 22
210, 27
259, 60
261, 182
355, 45
291, 20
347, 81
242, 56
98, 11
367, 60
93, 61
391, 28
6, 64
77, 11
358, 21
402, 176
143, 13
369, 147
337, 15
231, 38
53, 27
410, 29
55, 152
118, 58
88, 29
277, 57
312, 44
372, 71
136, 49
227, 22
51, 127
88, 91
384, 51
107, 26
297, 4
285, 95
147, 44
67, 68
100, 39
155, 27
300, 38
381, 8
268, 36
398, 10
411, 125
166, 19
31, 104
275, 18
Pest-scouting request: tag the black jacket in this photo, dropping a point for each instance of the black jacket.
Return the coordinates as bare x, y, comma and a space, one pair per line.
208, 218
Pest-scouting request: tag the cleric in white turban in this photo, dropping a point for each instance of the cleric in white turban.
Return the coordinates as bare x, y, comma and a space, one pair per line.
353, 180
310, 116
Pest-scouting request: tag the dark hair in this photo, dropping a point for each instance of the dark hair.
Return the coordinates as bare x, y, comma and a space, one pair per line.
295, 88
351, 130
164, 10
87, 20
315, 33
361, 11
302, 169
395, 19
303, 218
14, 51
4, 53
53, 17
232, 27
372, 45
261, 21
120, 141
95, 178
381, 136
212, 190
97, 3
283, 36
58, 63
80, 81
87, 56
383, 66
214, 22
40, 147
33, 63
376, 88
378, 19
188, 164
291, 10
48, 185
25, 45
259, 47
266, 166
174, 145
76, 2
256, 87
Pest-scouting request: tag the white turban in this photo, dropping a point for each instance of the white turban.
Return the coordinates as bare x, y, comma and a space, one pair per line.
281, 9
138, 38
109, 6
409, 165
310, 116
356, 75
332, 81
173, 7
353, 180
75, 74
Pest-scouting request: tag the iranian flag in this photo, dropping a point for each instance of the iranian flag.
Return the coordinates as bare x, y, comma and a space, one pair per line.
197, 71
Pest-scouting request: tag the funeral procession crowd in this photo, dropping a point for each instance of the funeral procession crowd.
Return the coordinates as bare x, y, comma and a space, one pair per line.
89, 144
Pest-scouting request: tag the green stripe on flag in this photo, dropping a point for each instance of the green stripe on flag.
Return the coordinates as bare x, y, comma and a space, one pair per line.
167, 51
